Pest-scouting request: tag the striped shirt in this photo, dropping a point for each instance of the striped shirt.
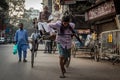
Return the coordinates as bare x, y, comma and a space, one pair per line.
65, 40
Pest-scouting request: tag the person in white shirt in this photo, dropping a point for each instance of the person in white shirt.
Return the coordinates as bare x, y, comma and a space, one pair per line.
88, 39
56, 15
35, 37
44, 19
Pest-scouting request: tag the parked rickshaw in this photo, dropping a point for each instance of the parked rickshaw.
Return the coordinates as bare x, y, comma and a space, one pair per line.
92, 49
110, 45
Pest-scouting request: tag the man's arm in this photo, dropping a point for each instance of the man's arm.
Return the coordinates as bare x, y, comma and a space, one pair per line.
50, 18
54, 25
74, 33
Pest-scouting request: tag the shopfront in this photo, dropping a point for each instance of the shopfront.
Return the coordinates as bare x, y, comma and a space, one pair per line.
102, 16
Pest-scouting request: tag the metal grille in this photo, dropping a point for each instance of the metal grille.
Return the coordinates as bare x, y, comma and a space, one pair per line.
110, 44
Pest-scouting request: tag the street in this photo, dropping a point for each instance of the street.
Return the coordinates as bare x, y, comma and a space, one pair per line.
46, 67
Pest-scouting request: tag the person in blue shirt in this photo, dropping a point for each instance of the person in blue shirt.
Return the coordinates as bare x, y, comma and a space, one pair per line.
21, 39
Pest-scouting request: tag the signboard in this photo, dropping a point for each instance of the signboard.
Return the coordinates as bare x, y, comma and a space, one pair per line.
100, 10
110, 38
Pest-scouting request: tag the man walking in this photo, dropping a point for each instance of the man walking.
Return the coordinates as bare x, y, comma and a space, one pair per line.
21, 39
64, 40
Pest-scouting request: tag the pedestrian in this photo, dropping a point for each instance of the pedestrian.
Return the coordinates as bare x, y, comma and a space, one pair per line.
21, 39
88, 39
35, 36
94, 35
35, 23
63, 40
56, 15
44, 18
35, 39
44, 15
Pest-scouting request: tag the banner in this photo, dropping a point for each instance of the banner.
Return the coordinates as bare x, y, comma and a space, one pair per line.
100, 10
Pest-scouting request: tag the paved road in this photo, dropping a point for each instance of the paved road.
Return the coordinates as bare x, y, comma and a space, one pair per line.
47, 68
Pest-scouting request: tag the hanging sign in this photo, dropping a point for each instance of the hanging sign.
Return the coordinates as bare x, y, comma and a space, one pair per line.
110, 38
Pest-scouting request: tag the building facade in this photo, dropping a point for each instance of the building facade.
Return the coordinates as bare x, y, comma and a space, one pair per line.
102, 16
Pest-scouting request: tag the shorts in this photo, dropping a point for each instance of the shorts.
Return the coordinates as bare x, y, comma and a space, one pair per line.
64, 51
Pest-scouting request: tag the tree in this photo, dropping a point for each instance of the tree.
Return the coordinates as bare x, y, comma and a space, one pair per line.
4, 5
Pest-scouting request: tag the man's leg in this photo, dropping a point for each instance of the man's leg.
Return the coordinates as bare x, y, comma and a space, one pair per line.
62, 67
61, 60
24, 49
67, 62
24, 56
51, 46
19, 53
36, 45
46, 46
68, 59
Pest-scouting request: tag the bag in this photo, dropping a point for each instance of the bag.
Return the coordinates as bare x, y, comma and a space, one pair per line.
15, 49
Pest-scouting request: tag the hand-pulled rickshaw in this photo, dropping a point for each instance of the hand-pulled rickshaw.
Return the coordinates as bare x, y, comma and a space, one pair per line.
34, 42
45, 36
